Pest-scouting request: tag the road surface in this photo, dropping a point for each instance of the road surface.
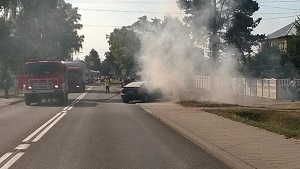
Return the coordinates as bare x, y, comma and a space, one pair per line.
93, 132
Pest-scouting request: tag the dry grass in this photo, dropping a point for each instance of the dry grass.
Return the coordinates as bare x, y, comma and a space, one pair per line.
281, 121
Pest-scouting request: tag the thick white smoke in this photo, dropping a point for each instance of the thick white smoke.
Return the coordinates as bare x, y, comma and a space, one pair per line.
171, 57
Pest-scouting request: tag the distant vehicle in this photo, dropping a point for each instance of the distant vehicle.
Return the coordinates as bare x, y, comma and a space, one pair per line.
76, 73
140, 90
44, 79
89, 76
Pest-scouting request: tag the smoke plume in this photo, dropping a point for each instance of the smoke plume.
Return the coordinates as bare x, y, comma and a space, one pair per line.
171, 57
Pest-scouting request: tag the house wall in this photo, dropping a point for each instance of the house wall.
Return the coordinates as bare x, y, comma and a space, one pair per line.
280, 42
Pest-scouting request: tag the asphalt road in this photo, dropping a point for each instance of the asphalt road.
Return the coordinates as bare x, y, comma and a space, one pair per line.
93, 132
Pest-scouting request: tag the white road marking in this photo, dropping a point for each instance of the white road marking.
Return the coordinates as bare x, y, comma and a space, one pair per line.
39, 129
48, 128
25, 146
12, 161
66, 108
4, 157
22, 146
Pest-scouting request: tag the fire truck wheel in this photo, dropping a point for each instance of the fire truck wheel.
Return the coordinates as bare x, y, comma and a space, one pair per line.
27, 101
61, 99
66, 98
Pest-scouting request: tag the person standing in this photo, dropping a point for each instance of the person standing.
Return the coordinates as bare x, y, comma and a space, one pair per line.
16, 86
107, 84
293, 89
7, 85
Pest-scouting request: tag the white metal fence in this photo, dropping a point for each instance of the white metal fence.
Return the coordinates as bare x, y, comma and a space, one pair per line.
267, 88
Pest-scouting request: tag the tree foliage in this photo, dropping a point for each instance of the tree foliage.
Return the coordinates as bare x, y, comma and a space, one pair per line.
38, 29
7, 51
270, 62
48, 29
230, 21
123, 45
93, 60
293, 48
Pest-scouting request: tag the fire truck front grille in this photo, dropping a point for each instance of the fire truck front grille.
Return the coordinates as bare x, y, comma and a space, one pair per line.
43, 84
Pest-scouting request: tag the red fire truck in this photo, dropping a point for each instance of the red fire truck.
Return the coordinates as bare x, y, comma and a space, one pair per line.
44, 79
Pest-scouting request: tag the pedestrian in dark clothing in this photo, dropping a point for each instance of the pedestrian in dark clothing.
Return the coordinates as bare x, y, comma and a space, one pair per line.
7, 85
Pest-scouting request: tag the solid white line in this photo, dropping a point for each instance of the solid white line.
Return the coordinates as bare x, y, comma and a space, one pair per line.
69, 107
40, 128
66, 108
4, 157
22, 146
48, 128
12, 160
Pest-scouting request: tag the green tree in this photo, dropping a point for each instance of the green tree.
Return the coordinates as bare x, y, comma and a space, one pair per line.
270, 62
293, 48
108, 66
6, 49
230, 21
123, 45
93, 60
48, 29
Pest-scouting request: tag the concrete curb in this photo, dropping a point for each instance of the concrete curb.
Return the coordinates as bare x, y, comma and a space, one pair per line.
227, 158
15, 102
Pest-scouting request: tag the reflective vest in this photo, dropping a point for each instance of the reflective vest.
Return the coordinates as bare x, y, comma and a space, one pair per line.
106, 82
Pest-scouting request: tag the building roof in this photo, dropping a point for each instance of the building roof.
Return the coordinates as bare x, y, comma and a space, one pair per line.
289, 29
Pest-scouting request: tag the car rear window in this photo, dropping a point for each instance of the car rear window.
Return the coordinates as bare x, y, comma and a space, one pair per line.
135, 84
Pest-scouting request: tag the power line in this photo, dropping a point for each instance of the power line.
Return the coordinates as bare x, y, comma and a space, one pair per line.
276, 13
94, 49
279, 7
108, 10
103, 26
280, 17
137, 2
277, 1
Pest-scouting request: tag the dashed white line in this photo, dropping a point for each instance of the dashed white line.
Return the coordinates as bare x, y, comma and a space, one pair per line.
56, 118
48, 128
4, 157
12, 160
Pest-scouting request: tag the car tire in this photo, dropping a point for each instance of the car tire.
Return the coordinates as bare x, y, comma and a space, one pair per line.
38, 100
66, 98
27, 100
61, 99
125, 100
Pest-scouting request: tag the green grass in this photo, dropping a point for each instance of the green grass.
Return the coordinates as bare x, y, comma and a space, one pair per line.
283, 122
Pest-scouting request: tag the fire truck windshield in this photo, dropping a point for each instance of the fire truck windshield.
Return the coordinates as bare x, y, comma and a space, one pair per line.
40, 68
73, 73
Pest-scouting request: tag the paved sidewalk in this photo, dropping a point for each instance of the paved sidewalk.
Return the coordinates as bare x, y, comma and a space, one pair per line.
236, 144
12, 100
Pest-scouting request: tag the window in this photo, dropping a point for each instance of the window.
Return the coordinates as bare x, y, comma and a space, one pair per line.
40, 68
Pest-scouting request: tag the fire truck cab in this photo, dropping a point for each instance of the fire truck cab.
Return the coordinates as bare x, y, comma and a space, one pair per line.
44, 79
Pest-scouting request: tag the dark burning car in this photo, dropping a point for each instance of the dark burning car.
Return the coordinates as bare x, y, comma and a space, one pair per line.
140, 90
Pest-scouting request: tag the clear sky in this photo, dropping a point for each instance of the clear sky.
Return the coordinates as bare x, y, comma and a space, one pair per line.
101, 17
